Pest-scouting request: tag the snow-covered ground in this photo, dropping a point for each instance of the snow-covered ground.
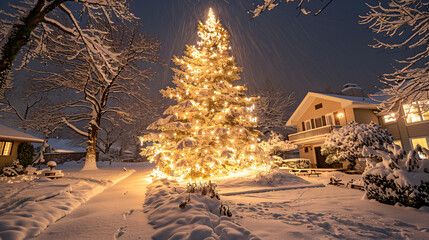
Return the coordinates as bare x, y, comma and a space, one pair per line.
328, 212
29, 204
274, 206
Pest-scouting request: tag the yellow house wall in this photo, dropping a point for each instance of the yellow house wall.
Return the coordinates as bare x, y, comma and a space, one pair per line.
328, 107
309, 155
365, 116
8, 160
401, 130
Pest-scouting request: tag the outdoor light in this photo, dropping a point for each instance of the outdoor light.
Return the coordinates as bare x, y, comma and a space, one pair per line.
340, 115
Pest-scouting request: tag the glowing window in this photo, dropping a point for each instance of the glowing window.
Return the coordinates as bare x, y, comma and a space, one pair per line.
5, 148
420, 141
417, 111
389, 118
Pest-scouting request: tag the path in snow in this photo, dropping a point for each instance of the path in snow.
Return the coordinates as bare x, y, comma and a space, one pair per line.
115, 213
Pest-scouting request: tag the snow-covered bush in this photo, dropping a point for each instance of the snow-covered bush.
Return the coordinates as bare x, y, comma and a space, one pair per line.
276, 145
14, 170
399, 178
346, 143
25, 153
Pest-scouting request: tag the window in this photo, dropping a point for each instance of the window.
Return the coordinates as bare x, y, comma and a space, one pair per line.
307, 125
329, 119
318, 122
5, 148
336, 119
317, 106
420, 141
398, 142
389, 118
417, 111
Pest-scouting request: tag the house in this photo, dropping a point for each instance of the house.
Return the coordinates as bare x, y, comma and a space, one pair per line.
319, 114
9, 140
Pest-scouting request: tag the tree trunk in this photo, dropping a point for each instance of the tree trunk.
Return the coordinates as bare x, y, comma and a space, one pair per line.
91, 154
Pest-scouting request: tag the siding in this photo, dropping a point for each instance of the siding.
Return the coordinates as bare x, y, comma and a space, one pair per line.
365, 116
311, 112
309, 155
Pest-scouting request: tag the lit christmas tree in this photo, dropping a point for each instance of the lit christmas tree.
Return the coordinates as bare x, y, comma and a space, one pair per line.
210, 132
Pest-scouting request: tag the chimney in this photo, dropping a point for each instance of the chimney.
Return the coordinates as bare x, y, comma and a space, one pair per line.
352, 89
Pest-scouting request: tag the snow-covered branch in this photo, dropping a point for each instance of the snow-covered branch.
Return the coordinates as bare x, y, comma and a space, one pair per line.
403, 24
271, 4
30, 25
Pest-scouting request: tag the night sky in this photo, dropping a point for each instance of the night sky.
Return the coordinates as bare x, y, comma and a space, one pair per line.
299, 53
279, 48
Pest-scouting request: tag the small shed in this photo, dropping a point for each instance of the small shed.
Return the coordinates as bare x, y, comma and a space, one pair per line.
10, 138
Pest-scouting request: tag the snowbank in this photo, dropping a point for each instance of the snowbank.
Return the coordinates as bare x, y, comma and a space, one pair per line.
29, 204
256, 182
200, 219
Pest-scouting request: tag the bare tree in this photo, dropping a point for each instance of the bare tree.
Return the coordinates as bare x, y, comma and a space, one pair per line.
32, 21
403, 24
100, 82
45, 122
22, 113
274, 108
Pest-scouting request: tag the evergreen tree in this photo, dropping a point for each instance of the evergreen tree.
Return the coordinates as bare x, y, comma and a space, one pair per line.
210, 132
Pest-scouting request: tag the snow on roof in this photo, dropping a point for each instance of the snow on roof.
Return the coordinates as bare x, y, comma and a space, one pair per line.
351, 98
346, 102
7, 133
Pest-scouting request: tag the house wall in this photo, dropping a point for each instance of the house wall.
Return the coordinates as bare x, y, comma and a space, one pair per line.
309, 155
8, 160
365, 116
401, 130
328, 107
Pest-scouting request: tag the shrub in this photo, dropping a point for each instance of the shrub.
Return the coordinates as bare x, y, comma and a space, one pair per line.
399, 178
25, 153
346, 143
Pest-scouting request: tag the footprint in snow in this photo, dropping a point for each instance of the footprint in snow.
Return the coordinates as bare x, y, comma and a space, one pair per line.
121, 231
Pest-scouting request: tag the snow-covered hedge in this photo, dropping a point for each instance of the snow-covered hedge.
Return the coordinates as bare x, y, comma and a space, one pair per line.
399, 178
346, 143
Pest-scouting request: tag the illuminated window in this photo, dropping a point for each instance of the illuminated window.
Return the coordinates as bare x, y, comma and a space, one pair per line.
417, 111
5, 148
398, 142
420, 141
389, 118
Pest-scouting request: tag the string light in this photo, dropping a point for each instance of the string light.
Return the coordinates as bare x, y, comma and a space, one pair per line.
204, 81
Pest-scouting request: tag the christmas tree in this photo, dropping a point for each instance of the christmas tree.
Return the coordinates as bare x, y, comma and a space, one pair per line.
210, 132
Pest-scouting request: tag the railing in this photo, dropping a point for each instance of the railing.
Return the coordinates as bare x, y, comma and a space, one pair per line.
311, 133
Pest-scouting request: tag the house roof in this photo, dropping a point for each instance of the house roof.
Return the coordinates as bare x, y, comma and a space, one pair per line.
7, 133
345, 101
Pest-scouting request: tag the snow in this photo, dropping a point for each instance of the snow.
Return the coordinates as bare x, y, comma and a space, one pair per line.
13, 134
64, 145
200, 219
330, 212
262, 182
137, 208
29, 203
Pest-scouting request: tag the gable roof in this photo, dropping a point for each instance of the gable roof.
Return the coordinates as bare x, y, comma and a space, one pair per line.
345, 101
7, 133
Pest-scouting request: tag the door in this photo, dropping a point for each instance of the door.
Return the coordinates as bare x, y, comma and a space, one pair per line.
321, 160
